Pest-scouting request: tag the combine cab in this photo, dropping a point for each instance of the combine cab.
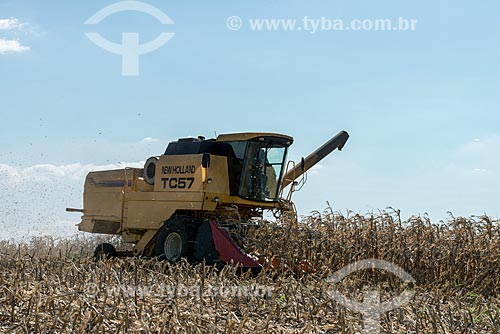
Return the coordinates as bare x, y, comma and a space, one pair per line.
197, 200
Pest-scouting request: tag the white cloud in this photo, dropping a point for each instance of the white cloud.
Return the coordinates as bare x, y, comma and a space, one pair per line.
12, 45
10, 24
479, 153
150, 140
316, 169
479, 170
76, 171
9, 44
33, 199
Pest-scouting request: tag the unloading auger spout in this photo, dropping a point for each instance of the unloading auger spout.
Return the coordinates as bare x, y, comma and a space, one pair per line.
337, 142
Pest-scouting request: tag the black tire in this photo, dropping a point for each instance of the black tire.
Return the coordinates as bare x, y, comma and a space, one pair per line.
104, 251
175, 240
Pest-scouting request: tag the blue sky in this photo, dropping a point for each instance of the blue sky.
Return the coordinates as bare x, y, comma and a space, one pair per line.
422, 106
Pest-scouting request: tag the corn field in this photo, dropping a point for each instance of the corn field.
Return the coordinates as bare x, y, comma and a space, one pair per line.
55, 286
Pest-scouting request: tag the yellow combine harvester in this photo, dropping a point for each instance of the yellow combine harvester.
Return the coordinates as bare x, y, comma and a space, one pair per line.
199, 199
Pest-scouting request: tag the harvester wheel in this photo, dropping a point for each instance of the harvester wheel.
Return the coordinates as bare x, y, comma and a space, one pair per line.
104, 251
175, 240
